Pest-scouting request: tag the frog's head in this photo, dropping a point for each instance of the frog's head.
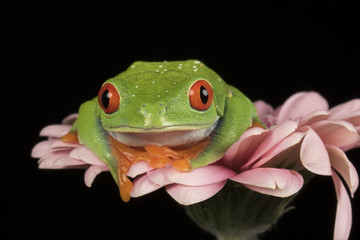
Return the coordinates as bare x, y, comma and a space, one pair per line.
163, 103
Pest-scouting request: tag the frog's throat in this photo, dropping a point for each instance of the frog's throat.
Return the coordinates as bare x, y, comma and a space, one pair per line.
174, 138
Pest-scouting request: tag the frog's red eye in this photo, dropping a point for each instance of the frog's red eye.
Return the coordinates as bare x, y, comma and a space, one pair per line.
109, 98
201, 95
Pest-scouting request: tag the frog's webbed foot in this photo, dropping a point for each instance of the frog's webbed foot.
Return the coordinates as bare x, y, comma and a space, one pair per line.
156, 156
70, 137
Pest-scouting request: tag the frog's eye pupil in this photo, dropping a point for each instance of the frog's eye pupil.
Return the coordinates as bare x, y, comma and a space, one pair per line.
201, 95
109, 98
204, 95
105, 98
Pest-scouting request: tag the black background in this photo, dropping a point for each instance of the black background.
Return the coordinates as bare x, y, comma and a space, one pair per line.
60, 53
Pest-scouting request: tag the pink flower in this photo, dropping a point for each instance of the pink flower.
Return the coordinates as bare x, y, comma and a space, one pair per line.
202, 183
303, 135
328, 134
56, 154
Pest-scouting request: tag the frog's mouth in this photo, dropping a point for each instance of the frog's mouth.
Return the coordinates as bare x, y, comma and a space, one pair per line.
166, 137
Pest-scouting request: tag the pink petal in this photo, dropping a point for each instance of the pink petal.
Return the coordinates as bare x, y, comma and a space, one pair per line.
47, 161
197, 177
355, 145
42, 148
51, 145
314, 117
313, 154
302, 104
353, 118
69, 120
143, 185
277, 182
344, 167
285, 144
200, 176
62, 145
160, 176
187, 195
337, 133
340, 110
240, 152
343, 220
84, 154
67, 162
92, 172
276, 135
55, 130
263, 109
139, 168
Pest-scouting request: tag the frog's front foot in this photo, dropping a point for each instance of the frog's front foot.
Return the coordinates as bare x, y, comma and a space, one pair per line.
70, 137
156, 156
183, 165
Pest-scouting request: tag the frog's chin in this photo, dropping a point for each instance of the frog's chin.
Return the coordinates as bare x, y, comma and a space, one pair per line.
177, 138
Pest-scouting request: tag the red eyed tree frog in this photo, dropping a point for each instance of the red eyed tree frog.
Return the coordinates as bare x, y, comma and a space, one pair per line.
177, 112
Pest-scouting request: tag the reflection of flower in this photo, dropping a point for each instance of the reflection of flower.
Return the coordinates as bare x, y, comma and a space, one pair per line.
303, 138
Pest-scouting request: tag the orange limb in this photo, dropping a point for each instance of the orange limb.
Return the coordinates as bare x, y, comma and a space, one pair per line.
184, 164
70, 137
156, 156
258, 124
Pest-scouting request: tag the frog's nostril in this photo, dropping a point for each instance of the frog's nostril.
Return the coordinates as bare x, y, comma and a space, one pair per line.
153, 108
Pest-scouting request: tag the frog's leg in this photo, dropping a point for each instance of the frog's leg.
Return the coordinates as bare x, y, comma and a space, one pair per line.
122, 166
71, 137
238, 116
100, 142
89, 131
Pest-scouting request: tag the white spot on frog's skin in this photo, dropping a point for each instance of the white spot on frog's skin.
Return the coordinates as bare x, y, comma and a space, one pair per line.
165, 70
133, 95
195, 69
132, 66
219, 79
153, 82
158, 95
195, 66
197, 62
165, 61
167, 91
179, 67
174, 83
137, 86
157, 70
160, 66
